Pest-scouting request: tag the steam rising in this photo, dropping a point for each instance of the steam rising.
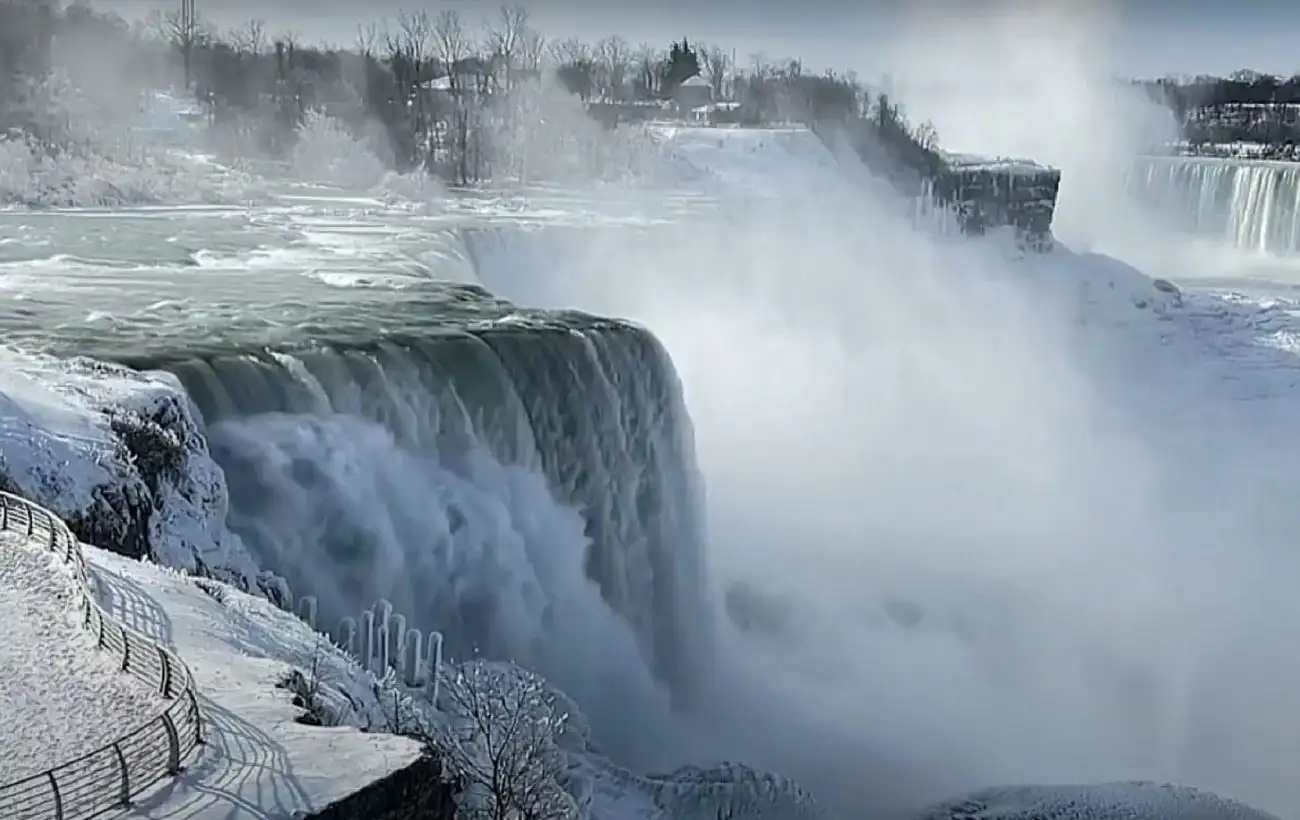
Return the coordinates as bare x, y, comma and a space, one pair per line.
990, 546
988, 540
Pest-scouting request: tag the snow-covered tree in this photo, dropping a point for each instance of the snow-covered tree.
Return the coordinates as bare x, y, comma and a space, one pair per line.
500, 737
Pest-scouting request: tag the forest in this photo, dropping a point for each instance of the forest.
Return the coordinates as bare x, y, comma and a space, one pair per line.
1246, 108
430, 90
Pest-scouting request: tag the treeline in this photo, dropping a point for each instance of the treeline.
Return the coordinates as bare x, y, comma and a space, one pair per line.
429, 91
1246, 107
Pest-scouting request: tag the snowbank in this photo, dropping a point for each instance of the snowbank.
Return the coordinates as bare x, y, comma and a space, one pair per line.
1107, 801
33, 175
119, 456
71, 696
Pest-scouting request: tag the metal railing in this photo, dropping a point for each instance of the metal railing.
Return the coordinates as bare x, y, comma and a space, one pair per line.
109, 777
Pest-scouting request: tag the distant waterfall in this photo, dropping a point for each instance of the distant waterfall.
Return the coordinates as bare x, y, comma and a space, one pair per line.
1253, 204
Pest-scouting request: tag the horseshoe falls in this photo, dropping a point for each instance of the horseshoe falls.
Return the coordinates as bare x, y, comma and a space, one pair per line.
1252, 205
804, 503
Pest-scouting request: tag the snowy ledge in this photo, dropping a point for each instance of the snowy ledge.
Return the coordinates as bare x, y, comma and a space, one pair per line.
259, 759
120, 457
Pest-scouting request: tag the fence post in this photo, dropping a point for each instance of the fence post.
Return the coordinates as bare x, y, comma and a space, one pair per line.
166, 672
173, 744
53, 531
126, 781
4, 514
126, 650
198, 718
58, 798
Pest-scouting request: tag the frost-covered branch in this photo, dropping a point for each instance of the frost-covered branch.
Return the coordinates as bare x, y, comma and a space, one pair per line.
500, 736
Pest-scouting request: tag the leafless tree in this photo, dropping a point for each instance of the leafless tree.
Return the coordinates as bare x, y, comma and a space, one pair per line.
415, 30
532, 50
452, 48
184, 28
289, 39
716, 64
575, 66
451, 45
926, 135
501, 737
569, 50
505, 40
613, 57
367, 39
249, 38
648, 64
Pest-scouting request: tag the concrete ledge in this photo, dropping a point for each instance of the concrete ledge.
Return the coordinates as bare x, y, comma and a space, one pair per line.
417, 792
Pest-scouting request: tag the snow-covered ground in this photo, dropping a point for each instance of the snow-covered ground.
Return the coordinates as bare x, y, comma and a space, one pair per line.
60, 696
257, 761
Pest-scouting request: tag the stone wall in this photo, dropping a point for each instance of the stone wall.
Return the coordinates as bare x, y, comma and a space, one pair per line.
982, 193
417, 792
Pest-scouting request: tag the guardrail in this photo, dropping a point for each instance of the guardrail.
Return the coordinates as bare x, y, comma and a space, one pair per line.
106, 779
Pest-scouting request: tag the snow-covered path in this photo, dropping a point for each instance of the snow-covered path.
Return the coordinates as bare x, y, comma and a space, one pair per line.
60, 696
256, 762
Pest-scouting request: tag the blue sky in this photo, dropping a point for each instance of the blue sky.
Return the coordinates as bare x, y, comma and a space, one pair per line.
1144, 37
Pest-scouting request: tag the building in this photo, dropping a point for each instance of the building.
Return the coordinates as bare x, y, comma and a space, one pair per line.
692, 94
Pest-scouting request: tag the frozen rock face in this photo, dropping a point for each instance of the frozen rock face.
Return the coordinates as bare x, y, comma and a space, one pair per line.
1108, 801
120, 457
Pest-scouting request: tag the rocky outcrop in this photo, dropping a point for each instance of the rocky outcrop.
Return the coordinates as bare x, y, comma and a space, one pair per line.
992, 193
981, 193
417, 792
120, 457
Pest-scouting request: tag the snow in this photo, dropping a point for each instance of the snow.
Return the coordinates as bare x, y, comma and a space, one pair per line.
1106, 801
257, 761
72, 697
1019, 167
766, 162
58, 449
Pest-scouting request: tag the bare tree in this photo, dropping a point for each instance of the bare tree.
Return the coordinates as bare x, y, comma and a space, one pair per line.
367, 39
717, 66
532, 51
505, 40
649, 65
415, 31
289, 39
613, 58
569, 50
451, 44
249, 38
184, 29
575, 66
452, 48
500, 736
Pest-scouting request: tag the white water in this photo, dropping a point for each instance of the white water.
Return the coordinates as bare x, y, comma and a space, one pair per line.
1251, 205
1019, 530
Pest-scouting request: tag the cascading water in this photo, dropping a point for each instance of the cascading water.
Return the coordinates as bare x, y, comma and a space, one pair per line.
1251, 204
479, 476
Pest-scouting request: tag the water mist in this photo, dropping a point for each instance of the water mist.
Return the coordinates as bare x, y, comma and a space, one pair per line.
957, 552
